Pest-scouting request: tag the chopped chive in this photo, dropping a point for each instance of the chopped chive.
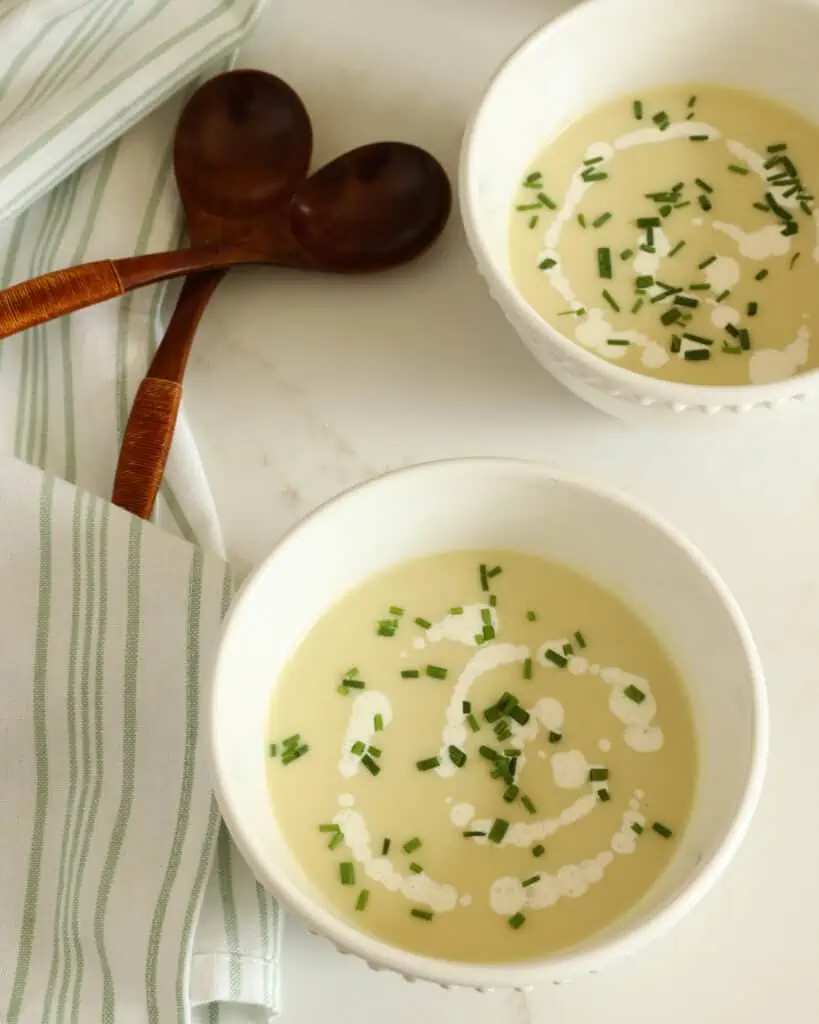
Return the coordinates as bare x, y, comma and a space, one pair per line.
533, 221
550, 204
637, 827
805, 208
385, 846
662, 120
346, 872
512, 752
363, 899
778, 147
457, 756
528, 804
329, 827
416, 869
483, 576
671, 316
638, 305
354, 684
601, 220
677, 248
732, 350
604, 263
593, 160
488, 633
692, 102
292, 741
351, 673
427, 764
581, 220
701, 287
372, 766
555, 737
436, 672
791, 228
466, 706
598, 774
472, 834
498, 830
762, 275
699, 138
456, 611
703, 185
638, 110
531, 616
732, 330
527, 668
385, 628
618, 341
336, 840
547, 264
378, 723
603, 796
665, 211
645, 281
744, 339
538, 850
723, 295
634, 693
697, 355
753, 308
530, 881
510, 794
676, 343
395, 610
519, 715
649, 222
626, 255
493, 572
762, 207
526, 207
573, 312
662, 830
580, 639
343, 690
473, 723
423, 915
410, 673
780, 211
705, 203
591, 178
486, 617
707, 263
271, 750
493, 600
531, 179
699, 339
556, 659
685, 300
735, 169
516, 920
795, 258
293, 755
488, 753
374, 751
358, 748
423, 623
611, 301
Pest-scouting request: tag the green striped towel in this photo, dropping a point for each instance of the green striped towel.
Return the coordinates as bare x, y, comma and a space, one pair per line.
109, 826
85, 175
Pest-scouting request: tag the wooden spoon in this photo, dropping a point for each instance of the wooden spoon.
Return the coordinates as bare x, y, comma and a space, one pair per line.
373, 208
242, 145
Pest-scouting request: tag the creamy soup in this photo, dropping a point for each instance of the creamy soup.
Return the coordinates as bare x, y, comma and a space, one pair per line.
675, 233
481, 756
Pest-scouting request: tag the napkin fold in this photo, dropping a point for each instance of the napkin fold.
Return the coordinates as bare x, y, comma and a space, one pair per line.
85, 175
108, 632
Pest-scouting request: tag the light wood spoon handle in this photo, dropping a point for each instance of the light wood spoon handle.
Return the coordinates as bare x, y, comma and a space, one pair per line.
52, 295
151, 424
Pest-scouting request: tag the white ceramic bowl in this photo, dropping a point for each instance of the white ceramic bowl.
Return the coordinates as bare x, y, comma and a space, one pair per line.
492, 504
598, 51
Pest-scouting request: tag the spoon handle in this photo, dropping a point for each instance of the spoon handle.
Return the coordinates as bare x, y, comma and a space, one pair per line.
65, 291
151, 424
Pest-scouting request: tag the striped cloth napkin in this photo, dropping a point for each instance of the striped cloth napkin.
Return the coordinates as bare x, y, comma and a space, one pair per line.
84, 174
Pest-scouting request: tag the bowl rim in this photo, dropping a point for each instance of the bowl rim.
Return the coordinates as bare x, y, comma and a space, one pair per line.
594, 955
620, 378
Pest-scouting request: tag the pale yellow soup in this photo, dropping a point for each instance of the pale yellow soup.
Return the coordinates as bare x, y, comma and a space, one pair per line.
674, 233
594, 756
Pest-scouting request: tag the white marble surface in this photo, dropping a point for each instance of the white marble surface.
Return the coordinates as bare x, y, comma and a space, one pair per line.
302, 386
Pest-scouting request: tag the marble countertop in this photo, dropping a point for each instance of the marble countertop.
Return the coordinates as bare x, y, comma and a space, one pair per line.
300, 387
